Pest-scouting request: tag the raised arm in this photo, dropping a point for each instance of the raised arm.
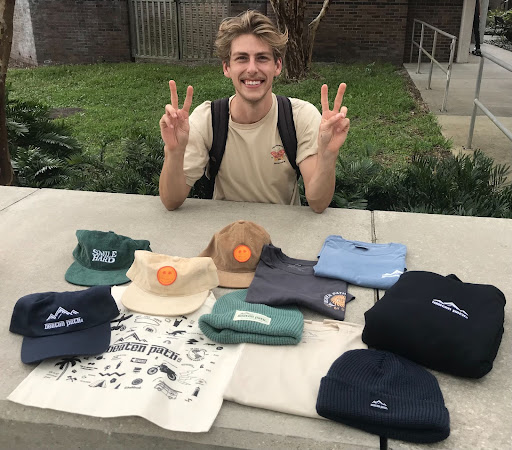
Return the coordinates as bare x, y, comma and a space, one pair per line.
175, 129
319, 171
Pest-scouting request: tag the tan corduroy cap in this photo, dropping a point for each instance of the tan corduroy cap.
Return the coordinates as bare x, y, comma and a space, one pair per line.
236, 251
168, 285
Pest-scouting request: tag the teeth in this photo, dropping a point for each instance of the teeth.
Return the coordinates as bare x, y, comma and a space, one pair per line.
252, 83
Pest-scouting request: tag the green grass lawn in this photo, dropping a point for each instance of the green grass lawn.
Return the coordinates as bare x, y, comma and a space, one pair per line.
125, 100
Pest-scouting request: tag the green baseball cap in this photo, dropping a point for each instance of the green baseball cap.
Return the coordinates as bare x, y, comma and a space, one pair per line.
103, 258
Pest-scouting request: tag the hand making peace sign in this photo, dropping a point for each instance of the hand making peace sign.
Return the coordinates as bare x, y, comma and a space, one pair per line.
174, 124
334, 125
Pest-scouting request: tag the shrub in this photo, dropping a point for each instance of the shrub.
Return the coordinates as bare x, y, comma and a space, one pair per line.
41, 149
137, 172
454, 185
500, 22
45, 155
507, 18
354, 176
460, 185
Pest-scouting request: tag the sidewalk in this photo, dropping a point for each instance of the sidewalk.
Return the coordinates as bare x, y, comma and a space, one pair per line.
495, 94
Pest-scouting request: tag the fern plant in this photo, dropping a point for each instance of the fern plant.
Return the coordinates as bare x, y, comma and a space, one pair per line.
353, 177
45, 155
137, 171
40, 148
29, 124
34, 168
461, 185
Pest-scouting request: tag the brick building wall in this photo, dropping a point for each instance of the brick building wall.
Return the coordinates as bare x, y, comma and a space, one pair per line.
88, 31
360, 30
443, 14
239, 6
80, 31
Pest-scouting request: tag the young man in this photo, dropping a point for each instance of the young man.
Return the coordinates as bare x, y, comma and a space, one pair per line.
476, 29
254, 167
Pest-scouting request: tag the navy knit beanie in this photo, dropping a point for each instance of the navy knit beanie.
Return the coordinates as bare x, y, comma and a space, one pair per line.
384, 394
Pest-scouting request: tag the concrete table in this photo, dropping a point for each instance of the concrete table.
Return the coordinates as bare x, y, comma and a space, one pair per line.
37, 236
11, 194
477, 250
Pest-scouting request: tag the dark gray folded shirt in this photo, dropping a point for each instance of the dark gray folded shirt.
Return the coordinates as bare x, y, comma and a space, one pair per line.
281, 280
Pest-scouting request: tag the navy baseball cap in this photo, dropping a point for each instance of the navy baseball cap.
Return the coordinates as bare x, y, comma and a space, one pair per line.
58, 324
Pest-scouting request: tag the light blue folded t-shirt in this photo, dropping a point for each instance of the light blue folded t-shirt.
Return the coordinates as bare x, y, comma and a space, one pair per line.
361, 263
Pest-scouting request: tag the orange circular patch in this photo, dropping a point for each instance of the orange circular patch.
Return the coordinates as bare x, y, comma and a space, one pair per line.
242, 253
166, 275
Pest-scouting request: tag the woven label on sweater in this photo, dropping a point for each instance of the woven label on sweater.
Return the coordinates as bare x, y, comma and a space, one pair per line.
252, 317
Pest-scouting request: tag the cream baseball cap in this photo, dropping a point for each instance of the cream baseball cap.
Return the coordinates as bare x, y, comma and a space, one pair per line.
168, 285
236, 251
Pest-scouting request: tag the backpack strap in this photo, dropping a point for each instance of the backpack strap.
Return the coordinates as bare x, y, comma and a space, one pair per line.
220, 123
286, 127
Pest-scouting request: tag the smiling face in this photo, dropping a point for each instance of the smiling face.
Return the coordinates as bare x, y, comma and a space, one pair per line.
166, 275
252, 68
242, 253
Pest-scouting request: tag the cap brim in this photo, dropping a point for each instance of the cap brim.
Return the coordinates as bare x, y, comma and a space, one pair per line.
83, 276
91, 341
138, 300
235, 280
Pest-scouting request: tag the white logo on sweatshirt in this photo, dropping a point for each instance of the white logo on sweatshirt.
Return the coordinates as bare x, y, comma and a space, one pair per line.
452, 307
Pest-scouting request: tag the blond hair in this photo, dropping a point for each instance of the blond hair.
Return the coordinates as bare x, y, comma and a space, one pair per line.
249, 22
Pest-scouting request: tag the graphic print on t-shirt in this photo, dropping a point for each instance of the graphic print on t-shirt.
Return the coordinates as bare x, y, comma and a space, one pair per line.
278, 154
336, 300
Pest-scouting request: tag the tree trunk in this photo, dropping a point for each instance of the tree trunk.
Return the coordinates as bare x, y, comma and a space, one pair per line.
6, 30
312, 27
294, 67
299, 51
290, 16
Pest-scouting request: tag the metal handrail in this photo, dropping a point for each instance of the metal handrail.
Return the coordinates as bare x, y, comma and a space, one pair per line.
478, 104
421, 50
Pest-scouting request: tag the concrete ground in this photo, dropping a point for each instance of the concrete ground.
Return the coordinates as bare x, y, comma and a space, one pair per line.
495, 94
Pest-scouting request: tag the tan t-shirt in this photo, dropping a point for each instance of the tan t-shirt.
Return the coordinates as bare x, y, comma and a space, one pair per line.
286, 378
255, 167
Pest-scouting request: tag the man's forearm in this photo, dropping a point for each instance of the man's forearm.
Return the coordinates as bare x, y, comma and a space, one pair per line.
173, 187
320, 189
